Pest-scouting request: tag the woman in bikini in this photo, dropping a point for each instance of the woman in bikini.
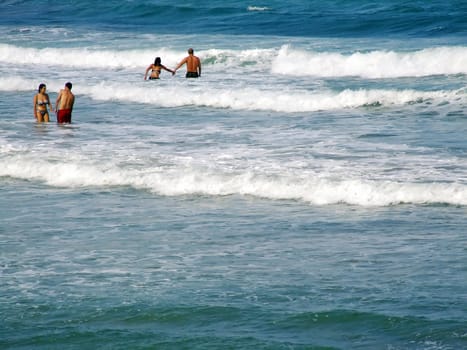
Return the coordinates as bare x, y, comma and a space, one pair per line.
40, 102
156, 68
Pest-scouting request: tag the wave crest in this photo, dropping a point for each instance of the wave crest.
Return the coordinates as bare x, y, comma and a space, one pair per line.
252, 98
192, 181
374, 64
283, 61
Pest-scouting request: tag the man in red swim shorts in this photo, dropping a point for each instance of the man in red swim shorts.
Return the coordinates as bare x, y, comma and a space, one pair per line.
64, 104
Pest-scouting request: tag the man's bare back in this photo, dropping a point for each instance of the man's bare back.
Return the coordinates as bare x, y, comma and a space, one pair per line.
193, 65
64, 104
66, 99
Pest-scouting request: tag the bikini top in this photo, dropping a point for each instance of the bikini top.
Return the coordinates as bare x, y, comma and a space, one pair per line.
42, 103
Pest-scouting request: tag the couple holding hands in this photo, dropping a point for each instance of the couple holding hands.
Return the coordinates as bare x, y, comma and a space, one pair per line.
193, 67
64, 104
66, 99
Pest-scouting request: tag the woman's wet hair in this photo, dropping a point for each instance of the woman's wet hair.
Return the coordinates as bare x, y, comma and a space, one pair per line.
157, 61
41, 86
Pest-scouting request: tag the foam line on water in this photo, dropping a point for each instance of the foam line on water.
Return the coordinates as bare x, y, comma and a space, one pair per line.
373, 64
251, 98
284, 60
185, 180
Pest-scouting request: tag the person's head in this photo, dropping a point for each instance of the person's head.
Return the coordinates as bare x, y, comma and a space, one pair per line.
69, 85
190, 51
42, 86
157, 61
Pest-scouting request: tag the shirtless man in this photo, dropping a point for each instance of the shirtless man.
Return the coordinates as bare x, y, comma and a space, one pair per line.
193, 65
64, 104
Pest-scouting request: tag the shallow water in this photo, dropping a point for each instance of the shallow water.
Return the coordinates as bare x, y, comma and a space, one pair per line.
308, 192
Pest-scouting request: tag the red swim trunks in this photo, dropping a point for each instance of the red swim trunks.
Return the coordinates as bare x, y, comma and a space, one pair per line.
64, 116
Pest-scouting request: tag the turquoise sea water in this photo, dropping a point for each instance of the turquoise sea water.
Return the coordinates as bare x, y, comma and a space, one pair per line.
308, 192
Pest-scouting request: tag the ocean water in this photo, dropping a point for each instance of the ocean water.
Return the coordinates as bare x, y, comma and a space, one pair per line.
309, 191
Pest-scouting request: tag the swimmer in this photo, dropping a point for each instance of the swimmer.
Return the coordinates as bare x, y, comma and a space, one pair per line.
64, 104
156, 69
40, 102
193, 65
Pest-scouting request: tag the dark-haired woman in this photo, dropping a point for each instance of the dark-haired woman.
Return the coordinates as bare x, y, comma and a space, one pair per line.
156, 69
40, 102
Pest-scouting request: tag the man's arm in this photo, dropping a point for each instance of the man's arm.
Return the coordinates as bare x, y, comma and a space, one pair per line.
181, 63
50, 103
59, 97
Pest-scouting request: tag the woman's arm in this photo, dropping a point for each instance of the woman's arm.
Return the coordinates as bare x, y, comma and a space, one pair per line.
34, 102
168, 69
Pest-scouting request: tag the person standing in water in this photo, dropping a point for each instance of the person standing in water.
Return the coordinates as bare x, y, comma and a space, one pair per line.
156, 67
193, 65
40, 102
64, 104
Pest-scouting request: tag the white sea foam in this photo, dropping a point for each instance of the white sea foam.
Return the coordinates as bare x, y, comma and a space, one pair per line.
190, 180
258, 8
251, 98
15, 83
84, 57
260, 99
374, 64
285, 60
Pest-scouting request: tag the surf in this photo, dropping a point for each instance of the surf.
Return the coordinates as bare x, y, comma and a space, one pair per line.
376, 64
283, 60
185, 180
249, 98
